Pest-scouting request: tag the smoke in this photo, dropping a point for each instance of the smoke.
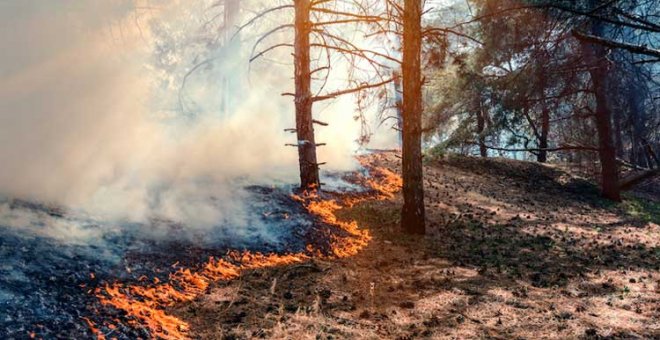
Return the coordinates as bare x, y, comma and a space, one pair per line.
93, 114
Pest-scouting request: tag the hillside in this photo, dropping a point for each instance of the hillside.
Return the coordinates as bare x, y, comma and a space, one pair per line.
517, 250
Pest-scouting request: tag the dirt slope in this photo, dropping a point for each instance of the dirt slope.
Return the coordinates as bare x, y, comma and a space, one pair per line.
517, 250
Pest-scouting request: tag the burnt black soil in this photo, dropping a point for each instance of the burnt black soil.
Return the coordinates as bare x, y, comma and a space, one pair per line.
46, 283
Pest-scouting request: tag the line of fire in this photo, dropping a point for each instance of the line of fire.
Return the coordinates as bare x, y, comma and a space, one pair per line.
329, 169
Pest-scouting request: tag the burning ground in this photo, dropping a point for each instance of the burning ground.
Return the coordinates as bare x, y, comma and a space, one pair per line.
66, 274
518, 250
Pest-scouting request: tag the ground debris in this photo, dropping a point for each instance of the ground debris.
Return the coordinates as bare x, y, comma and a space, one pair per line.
517, 250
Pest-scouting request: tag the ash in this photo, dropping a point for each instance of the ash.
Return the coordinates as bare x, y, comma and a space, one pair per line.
52, 259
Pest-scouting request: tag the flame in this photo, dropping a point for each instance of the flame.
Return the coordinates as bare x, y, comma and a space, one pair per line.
145, 304
385, 182
92, 327
382, 180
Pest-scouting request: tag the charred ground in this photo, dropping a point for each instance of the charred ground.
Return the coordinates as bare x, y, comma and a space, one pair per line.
49, 287
517, 250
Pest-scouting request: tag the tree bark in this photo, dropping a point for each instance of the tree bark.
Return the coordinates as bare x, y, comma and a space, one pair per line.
309, 169
596, 56
481, 127
398, 103
412, 214
542, 156
545, 131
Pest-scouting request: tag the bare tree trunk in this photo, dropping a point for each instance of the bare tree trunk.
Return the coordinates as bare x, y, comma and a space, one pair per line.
481, 127
607, 151
412, 215
596, 55
309, 169
653, 160
398, 103
542, 156
545, 131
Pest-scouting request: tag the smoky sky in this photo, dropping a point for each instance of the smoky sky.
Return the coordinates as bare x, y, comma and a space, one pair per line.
89, 114
32, 31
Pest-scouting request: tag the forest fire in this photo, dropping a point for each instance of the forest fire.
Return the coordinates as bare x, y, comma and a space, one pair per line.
186, 169
145, 304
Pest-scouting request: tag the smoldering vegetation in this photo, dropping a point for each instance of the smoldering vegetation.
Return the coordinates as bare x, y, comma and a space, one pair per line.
54, 259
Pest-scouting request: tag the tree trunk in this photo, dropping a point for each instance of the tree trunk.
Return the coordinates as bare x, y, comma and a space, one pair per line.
542, 156
309, 169
412, 214
596, 57
398, 104
481, 127
545, 131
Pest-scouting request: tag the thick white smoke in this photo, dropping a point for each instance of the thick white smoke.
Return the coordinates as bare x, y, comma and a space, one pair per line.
93, 117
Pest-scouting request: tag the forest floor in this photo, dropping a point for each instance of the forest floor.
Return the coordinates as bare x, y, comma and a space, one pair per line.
516, 250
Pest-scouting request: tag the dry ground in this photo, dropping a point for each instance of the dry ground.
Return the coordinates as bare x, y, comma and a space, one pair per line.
517, 250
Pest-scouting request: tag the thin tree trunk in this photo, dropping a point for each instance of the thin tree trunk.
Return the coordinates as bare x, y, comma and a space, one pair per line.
653, 160
309, 170
398, 104
545, 131
596, 55
481, 127
412, 214
542, 156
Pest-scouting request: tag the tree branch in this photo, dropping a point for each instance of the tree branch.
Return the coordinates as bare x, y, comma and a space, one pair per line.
256, 56
637, 49
259, 15
352, 90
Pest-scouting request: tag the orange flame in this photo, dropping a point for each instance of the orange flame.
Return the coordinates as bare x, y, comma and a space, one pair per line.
92, 327
147, 304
